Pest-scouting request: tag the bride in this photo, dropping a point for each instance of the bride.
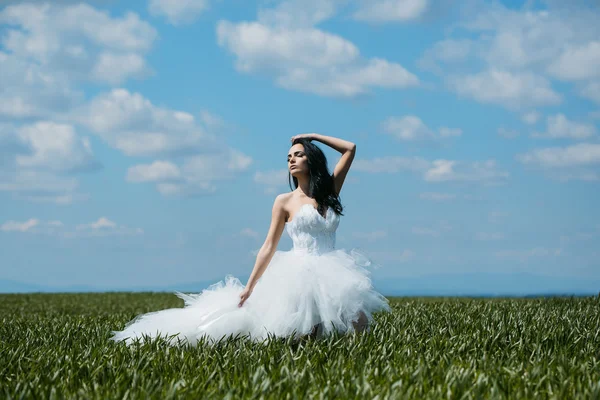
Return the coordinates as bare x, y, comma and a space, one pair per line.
311, 290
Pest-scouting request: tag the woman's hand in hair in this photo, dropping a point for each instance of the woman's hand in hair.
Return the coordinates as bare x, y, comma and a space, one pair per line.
310, 136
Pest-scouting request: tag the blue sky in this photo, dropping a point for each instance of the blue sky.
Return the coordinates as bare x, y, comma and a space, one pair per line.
142, 143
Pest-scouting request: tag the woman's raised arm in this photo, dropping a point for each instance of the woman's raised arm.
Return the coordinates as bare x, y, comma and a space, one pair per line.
348, 150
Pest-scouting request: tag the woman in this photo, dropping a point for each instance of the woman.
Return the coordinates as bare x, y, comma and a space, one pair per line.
313, 289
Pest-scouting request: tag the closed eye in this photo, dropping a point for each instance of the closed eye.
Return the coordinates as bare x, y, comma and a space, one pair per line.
298, 153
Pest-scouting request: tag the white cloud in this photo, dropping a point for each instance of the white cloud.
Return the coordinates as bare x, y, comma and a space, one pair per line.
450, 51
115, 68
477, 171
407, 128
14, 226
578, 62
192, 158
563, 164
309, 60
102, 227
350, 81
50, 47
299, 13
37, 162
284, 44
391, 10
412, 128
532, 38
531, 117
440, 170
54, 147
45, 25
178, 12
511, 90
102, 222
591, 90
196, 175
306, 13
558, 126
261, 47
157, 171
581, 154
34, 226
272, 180
513, 53
29, 89
132, 124
216, 166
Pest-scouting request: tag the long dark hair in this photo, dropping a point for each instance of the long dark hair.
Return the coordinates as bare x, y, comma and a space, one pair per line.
321, 186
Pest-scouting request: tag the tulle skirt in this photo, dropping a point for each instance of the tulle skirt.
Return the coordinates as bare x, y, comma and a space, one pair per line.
297, 292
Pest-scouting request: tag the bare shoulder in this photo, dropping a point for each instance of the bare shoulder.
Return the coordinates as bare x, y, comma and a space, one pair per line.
282, 202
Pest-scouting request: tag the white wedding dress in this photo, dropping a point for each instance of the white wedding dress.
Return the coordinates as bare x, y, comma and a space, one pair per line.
313, 283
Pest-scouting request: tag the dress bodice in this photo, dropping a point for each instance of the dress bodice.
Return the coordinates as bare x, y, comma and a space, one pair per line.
311, 232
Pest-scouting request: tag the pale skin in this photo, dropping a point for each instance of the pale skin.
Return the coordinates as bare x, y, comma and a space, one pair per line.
286, 205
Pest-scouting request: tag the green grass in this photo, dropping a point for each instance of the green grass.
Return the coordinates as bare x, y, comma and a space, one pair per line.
57, 345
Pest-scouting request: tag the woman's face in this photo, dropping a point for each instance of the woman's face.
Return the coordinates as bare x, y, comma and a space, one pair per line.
297, 161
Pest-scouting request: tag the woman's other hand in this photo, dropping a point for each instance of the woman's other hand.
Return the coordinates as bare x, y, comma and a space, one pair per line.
244, 296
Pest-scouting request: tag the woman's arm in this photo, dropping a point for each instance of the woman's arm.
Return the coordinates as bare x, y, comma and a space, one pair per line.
338, 144
348, 150
267, 250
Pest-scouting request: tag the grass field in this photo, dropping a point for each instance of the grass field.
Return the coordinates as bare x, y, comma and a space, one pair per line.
56, 346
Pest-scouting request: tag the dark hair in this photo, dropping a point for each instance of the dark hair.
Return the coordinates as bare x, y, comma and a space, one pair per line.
321, 187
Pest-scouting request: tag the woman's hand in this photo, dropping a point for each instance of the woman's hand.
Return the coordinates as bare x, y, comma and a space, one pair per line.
310, 136
244, 295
